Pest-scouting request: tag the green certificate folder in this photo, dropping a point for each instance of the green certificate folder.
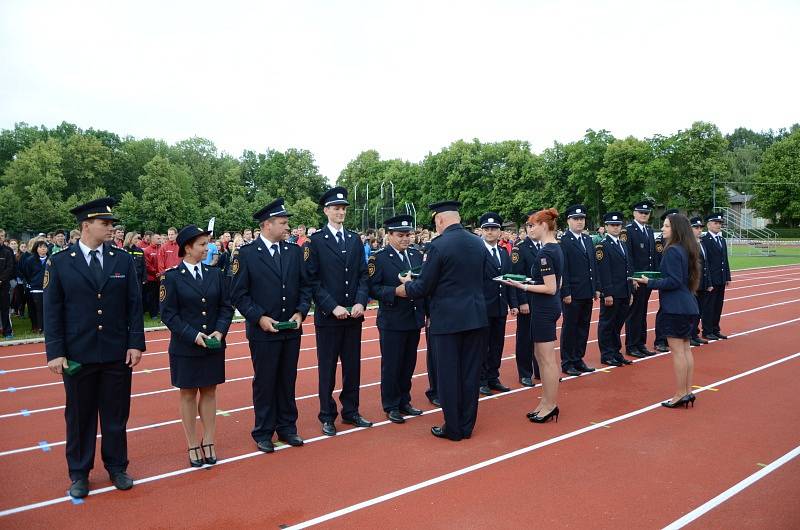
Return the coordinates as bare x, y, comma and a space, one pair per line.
290, 324
73, 367
213, 343
653, 275
414, 272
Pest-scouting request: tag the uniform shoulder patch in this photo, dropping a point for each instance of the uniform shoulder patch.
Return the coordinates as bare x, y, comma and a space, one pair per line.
514, 256
46, 281
235, 266
623, 237
306, 252
659, 247
598, 252
371, 266
162, 293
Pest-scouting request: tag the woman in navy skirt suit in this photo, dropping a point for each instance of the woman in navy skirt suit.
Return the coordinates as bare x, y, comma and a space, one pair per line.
680, 278
196, 307
545, 310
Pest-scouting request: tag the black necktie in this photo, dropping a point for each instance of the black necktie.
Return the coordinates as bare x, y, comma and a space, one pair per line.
496, 255
340, 240
197, 277
97, 269
719, 241
619, 244
403, 259
276, 255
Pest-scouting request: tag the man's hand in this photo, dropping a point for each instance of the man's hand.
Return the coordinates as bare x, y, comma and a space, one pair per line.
297, 317
340, 312
525, 309
132, 357
266, 323
400, 291
217, 335
405, 278
57, 365
200, 339
608, 301
358, 311
567, 299
514, 311
597, 295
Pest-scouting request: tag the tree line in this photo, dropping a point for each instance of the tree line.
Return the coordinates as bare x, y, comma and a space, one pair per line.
46, 171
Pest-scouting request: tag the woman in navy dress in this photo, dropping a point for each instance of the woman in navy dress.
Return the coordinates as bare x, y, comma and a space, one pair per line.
680, 278
196, 307
545, 310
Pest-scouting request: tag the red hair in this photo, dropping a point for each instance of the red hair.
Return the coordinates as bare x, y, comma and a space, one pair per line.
548, 216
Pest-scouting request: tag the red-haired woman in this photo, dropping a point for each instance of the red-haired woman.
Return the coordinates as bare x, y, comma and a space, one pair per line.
545, 309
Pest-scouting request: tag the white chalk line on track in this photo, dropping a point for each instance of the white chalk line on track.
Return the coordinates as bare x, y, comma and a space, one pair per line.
435, 480
26, 412
733, 490
364, 341
653, 299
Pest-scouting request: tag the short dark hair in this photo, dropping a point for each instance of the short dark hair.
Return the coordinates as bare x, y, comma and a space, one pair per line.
35, 247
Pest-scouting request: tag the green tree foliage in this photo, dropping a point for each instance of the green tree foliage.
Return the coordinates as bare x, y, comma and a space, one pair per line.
777, 183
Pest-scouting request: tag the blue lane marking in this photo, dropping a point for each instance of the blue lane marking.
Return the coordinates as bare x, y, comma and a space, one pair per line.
25, 412
11, 389
44, 446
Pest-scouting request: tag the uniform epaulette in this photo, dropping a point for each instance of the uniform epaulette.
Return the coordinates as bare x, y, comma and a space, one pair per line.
123, 249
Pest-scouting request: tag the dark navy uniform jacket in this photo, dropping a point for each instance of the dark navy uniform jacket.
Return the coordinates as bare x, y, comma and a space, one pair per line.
33, 271
717, 258
452, 276
259, 289
580, 276
189, 308
91, 323
138, 261
614, 268
705, 272
498, 296
674, 294
522, 259
643, 247
395, 313
337, 278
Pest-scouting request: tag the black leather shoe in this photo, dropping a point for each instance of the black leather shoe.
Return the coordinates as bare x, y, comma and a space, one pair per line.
694, 342
79, 488
711, 336
358, 421
411, 411
611, 362
646, 352
500, 387
435, 402
440, 433
720, 335
292, 439
485, 390
266, 446
581, 367
701, 341
526, 381
328, 428
662, 348
121, 480
635, 353
620, 359
571, 371
395, 416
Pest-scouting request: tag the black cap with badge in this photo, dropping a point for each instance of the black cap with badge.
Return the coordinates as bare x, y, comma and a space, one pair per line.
399, 223
714, 217
443, 206
671, 211
333, 197
96, 209
576, 211
696, 222
613, 218
188, 234
274, 209
643, 206
491, 220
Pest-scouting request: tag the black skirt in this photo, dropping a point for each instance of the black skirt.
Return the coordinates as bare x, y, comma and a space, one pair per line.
543, 324
676, 326
197, 371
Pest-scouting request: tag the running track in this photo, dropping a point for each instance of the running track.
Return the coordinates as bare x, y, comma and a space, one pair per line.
615, 458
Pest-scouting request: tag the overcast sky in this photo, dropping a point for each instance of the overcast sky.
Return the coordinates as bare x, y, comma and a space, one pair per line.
402, 77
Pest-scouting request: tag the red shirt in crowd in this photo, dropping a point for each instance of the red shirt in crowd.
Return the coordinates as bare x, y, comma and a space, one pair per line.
168, 256
506, 244
151, 262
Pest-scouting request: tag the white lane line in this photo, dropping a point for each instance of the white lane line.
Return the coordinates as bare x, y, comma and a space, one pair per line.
653, 299
414, 487
364, 341
513, 454
733, 490
26, 412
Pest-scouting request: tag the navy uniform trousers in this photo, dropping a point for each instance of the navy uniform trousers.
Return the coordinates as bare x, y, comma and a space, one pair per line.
275, 369
430, 360
398, 360
610, 327
521, 263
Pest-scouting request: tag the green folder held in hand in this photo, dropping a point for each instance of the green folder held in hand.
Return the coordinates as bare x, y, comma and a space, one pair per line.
73, 367
653, 275
289, 324
212, 343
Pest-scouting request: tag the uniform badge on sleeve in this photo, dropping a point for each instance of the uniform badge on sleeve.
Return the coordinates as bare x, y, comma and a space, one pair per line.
623, 237
659, 247
543, 261
46, 279
162, 293
514, 256
371, 267
235, 266
306, 253
598, 253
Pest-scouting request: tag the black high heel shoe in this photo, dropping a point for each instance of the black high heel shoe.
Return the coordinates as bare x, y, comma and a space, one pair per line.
691, 397
531, 414
547, 417
682, 402
210, 460
192, 461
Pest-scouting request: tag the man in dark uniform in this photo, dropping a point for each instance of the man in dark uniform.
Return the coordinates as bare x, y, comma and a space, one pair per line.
660, 343
614, 267
643, 251
720, 271
522, 259
269, 286
499, 297
7, 265
337, 270
579, 289
93, 316
705, 280
399, 319
453, 278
